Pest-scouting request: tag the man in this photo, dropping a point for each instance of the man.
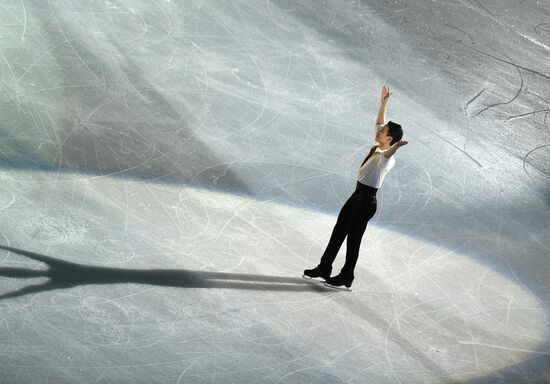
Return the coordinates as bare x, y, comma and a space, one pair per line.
361, 206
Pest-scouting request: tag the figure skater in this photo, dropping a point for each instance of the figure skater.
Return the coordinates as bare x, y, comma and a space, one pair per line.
361, 205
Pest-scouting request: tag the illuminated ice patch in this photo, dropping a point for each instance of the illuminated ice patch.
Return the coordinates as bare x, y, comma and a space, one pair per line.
419, 308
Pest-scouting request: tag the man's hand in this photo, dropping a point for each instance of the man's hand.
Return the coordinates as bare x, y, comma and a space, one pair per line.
390, 152
386, 94
401, 143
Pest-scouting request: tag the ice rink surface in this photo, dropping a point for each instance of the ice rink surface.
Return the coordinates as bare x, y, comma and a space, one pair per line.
169, 168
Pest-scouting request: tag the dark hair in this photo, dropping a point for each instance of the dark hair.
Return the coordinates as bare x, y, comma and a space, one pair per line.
395, 131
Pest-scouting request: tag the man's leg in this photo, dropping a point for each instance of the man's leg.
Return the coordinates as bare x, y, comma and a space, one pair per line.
339, 233
352, 251
358, 225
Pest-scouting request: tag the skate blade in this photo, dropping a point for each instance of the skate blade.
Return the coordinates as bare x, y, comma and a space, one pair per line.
316, 279
344, 288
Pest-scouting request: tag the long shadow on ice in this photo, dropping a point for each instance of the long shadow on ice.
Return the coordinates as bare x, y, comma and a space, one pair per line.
64, 274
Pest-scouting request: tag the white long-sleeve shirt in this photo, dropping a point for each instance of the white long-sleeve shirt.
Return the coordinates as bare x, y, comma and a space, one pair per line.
375, 169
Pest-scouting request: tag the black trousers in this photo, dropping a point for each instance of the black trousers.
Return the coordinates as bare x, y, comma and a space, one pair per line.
352, 222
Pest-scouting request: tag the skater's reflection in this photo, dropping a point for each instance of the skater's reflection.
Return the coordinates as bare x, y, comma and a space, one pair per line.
64, 274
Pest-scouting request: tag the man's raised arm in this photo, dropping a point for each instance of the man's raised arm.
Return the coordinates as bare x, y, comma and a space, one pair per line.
384, 100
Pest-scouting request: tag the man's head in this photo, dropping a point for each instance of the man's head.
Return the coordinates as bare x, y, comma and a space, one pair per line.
390, 134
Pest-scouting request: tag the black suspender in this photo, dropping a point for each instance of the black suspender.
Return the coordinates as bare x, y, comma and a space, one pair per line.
369, 155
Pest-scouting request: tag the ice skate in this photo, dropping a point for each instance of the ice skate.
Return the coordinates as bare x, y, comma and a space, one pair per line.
318, 273
339, 282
